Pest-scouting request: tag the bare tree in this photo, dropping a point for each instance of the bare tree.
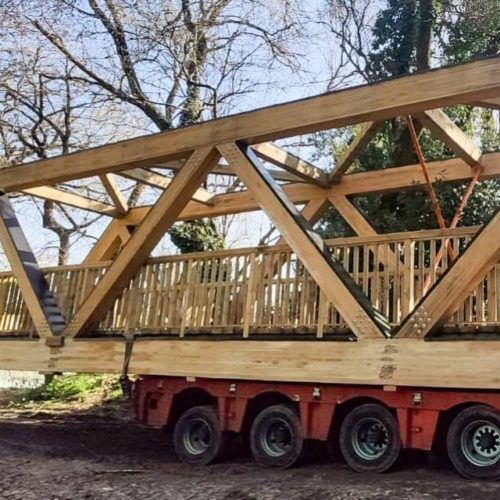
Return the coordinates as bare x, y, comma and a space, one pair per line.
177, 62
44, 112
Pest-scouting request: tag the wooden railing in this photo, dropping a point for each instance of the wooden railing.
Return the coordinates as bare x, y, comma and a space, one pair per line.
264, 290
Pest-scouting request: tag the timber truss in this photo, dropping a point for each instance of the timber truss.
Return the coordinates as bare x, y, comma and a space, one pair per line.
276, 182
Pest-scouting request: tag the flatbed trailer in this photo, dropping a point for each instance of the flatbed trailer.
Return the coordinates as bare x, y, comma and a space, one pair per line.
369, 424
398, 332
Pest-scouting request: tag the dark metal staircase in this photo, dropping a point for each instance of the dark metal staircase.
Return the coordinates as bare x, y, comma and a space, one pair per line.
29, 265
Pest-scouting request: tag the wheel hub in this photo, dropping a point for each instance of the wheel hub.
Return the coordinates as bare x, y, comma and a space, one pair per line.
197, 437
370, 438
277, 439
480, 443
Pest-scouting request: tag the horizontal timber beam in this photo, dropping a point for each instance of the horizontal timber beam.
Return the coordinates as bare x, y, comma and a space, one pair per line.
472, 82
388, 179
490, 103
73, 200
366, 361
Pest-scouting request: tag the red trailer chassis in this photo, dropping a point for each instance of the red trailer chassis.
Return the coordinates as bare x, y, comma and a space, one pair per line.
422, 415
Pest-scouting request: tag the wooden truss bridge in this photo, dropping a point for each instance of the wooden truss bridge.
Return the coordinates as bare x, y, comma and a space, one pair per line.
418, 308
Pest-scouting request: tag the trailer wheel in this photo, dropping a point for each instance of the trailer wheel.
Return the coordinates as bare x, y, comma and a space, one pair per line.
276, 437
370, 439
473, 443
198, 439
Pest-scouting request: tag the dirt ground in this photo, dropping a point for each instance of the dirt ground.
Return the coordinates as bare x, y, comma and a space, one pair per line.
84, 454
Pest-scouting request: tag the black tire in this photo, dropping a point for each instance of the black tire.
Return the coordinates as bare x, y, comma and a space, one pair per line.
198, 439
276, 437
370, 439
473, 443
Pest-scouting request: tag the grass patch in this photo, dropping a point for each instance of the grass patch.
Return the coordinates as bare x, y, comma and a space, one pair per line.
74, 387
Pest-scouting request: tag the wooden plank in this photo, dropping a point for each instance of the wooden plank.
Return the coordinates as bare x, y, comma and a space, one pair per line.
410, 176
367, 361
161, 182
305, 170
470, 82
114, 193
449, 293
441, 125
346, 159
73, 200
336, 284
145, 238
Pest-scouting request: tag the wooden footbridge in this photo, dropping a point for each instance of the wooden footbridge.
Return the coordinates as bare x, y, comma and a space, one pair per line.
418, 308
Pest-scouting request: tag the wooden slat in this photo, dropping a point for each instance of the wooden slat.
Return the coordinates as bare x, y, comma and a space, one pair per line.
335, 283
453, 288
291, 163
346, 159
441, 125
470, 82
144, 239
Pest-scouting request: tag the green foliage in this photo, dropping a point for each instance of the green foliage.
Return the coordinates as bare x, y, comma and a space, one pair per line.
472, 28
74, 387
394, 38
406, 35
199, 235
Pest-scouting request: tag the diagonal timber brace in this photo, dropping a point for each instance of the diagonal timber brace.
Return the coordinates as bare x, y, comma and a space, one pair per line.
39, 300
147, 235
336, 283
362, 139
439, 123
446, 296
